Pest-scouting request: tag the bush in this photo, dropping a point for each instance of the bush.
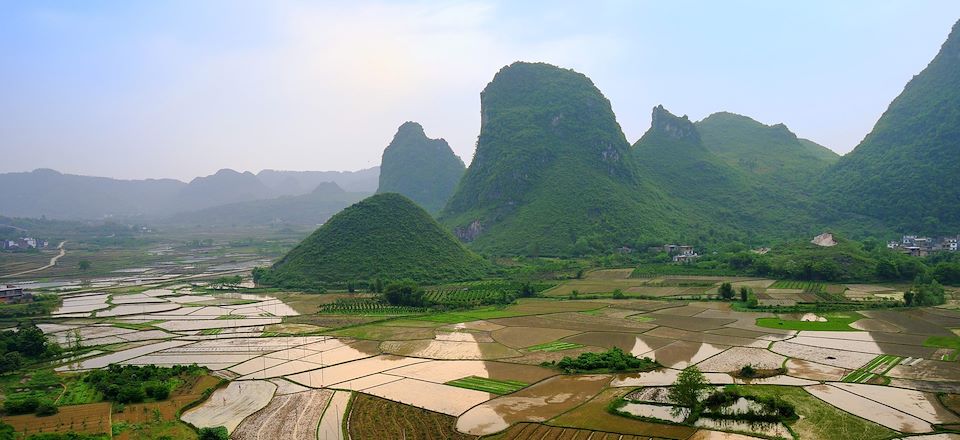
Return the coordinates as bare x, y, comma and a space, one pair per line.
726, 291
217, 433
21, 406
46, 409
748, 371
157, 390
130, 393
618, 294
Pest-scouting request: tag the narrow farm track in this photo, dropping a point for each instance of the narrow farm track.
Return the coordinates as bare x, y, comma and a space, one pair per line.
53, 262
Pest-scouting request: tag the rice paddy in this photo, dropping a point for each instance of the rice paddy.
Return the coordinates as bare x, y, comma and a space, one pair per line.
876, 367
554, 346
476, 370
488, 385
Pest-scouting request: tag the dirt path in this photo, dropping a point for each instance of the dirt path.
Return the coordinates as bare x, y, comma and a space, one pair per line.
53, 262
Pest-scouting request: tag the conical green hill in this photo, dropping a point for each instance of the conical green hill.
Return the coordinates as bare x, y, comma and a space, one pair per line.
385, 236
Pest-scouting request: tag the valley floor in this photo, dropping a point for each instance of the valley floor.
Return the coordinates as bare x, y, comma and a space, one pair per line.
294, 369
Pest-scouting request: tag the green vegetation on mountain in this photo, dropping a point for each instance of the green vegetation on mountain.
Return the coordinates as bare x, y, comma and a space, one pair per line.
385, 236
423, 169
770, 151
552, 174
905, 171
724, 202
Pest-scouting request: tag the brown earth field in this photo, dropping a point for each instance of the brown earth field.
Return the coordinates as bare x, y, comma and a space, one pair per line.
536, 431
92, 418
372, 417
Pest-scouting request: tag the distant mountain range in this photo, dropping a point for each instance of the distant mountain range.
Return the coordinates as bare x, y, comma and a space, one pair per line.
55, 195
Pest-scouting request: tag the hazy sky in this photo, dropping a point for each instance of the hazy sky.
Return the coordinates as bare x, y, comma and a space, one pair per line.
137, 89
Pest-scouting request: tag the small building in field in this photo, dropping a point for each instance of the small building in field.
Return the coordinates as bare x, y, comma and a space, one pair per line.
9, 294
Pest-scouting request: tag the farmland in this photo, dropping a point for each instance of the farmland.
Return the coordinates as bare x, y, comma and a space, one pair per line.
480, 359
876, 367
373, 417
488, 385
805, 286
554, 346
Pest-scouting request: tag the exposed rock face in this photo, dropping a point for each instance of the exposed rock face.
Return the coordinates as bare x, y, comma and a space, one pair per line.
673, 126
825, 239
470, 232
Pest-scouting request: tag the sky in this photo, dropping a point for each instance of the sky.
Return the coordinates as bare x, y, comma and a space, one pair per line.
182, 88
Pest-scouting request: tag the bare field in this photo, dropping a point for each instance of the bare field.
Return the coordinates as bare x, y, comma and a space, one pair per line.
229, 406
93, 418
289, 416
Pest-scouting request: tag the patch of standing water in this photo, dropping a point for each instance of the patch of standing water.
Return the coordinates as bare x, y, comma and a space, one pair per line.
663, 412
764, 428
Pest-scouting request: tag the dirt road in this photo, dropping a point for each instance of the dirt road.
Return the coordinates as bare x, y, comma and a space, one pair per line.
53, 262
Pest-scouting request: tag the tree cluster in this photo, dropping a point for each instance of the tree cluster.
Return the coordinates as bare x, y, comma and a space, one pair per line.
28, 343
614, 359
134, 384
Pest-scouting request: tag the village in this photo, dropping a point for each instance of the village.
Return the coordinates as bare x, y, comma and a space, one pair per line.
924, 246
23, 243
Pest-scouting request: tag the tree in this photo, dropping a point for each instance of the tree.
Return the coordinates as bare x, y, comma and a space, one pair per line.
378, 286
46, 408
84, 265
744, 293
726, 291
689, 388
351, 287
618, 294
947, 273
10, 361
526, 290
30, 341
908, 298
887, 270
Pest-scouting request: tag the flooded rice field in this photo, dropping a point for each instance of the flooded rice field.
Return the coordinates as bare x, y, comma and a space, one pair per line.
537, 403
663, 412
432, 396
736, 358
869, 409
304, 383
229, 406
